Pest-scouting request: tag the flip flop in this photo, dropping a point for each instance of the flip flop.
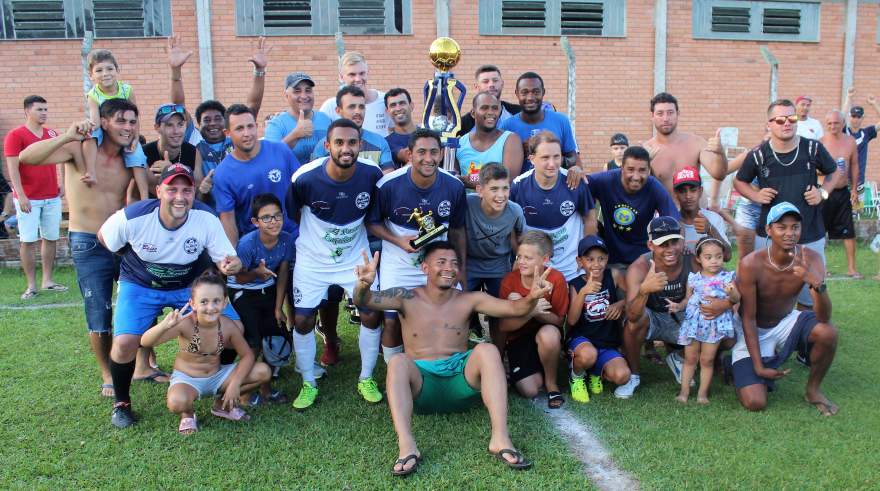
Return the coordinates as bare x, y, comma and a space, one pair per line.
236, 414
58, 288
826, 408
151, 378
188, 426
555, 400
29, 294
403, 470
107, 386
521, 462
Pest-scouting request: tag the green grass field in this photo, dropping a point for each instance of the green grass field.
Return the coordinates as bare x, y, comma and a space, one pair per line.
56, 433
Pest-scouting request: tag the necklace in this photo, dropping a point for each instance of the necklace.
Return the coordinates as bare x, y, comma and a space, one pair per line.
796, 152
770, 257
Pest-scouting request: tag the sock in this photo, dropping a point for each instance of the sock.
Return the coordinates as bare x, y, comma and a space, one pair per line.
388, 352
368, 342
577, 375
122, 374
304, 346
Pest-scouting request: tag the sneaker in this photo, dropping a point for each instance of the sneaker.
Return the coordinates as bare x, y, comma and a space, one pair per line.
318, 371
306, 397
330, 356
122, 417
596, 384
369, 390
626, 390
674, 361
803, 360
579, 390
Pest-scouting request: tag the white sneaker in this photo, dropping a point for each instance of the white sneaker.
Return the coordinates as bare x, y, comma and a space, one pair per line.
675, 363
318, 370
626, 390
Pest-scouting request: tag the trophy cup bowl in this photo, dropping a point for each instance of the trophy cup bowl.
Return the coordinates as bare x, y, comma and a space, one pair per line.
444, 53
428, 228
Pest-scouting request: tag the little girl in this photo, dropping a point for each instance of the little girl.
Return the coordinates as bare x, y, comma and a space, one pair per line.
699, 335
202, 334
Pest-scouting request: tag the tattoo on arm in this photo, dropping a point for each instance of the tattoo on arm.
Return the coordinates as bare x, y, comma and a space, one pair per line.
390, 299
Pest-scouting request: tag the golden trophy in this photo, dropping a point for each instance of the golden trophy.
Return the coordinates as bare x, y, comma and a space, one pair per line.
442, 109
428, 229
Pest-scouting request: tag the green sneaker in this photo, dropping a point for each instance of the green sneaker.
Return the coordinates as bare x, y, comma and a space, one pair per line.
306, 397
579, 390
595, 384
369, 390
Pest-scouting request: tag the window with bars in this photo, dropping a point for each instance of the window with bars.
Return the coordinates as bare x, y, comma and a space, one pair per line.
70, 19
756, 20
322, 17
605, 18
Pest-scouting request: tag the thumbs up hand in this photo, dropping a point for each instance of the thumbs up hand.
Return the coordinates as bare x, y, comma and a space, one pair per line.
207, 183
304, 126
654, 280
714, 143
701, 223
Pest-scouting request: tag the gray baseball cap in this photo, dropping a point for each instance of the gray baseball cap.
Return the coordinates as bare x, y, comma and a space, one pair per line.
296, 77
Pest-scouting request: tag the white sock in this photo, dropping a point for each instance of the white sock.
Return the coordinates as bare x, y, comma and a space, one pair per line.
368, 342
304, 346
388, 352
577, 375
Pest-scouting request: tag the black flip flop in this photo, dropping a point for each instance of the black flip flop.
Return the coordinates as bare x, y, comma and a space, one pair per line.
403, 470
555, 400
521, 462
151, 378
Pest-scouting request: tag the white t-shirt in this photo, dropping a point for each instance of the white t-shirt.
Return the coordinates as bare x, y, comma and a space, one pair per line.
375, 118
810, 128
715, 220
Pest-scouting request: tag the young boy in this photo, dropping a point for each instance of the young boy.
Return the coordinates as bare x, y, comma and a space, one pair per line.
103, 71
493, 225
258, 291
594, 320
534, 340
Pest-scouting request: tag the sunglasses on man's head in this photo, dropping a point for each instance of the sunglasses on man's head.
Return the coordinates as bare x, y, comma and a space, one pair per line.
780, 120
171, 108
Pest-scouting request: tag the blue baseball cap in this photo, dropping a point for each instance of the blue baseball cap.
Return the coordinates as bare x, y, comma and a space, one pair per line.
779, 210
590, 242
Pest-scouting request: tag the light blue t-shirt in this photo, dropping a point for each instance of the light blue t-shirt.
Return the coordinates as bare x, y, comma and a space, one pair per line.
553, 122
470, 161
251, 251
282, 124
373, 148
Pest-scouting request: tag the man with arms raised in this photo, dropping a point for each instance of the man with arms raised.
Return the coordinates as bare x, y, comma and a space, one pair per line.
487, 143
672, 150
837, 211
353, 70
89, 206
330, 197
862, 134
487, 78
438, 374
769, 281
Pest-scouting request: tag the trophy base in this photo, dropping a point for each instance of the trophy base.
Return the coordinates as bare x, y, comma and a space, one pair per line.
428, 236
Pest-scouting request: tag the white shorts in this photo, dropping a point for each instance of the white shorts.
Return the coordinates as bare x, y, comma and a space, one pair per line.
310, 287
770, 340
43, 222
395, 276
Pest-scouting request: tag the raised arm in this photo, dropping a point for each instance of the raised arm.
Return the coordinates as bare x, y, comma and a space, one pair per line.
166, 330
260, 59
641, 280
873, 102
59, 150
391, 299
712, 157
501, 308
177, 57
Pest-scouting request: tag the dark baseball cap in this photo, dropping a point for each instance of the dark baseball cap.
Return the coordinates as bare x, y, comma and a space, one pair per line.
296, 77
857, 111
662, 229
619, 139
165, 112
687, 176
175, 170
590, 242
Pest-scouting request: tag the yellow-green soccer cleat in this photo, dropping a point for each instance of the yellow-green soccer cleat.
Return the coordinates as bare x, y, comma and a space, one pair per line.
306, 397
369, 390
595, 384
579, 390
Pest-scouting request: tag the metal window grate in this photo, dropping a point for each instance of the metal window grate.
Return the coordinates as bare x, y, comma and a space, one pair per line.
282, 16
362, 16
523, 14
38, 19
782, 21
118, 18
582, 19
730, 19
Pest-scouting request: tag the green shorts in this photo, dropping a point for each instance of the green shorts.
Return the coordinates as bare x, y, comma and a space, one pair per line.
444, 388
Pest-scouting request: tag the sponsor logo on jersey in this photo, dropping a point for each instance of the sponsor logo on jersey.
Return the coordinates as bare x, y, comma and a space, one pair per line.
274, 175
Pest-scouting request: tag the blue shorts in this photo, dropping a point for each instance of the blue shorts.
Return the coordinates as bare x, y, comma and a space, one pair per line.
490, 285
96, 270
138, 306
604, 354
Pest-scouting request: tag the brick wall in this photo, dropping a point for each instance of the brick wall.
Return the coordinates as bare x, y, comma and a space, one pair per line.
719, 83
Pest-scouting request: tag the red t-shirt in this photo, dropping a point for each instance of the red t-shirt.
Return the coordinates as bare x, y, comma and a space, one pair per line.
558, 298
38, 181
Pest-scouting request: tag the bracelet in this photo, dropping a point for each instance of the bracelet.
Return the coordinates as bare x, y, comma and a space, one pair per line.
178, 79
259, 73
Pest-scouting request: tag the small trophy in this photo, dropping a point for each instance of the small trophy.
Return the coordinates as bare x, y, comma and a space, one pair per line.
442, 109
428, 230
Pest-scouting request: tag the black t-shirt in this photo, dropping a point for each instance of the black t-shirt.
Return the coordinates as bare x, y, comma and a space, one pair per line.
467, 121
187, 155
790, 174
611, 165
675, 288
592, 324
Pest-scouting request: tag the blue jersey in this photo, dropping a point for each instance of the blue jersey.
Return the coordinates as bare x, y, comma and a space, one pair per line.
559, 212
626, 216
237, 182
397, 142
553, 122
251, 251
373, 148
157, 257
863, 137
283, 123
396, 198
331, 215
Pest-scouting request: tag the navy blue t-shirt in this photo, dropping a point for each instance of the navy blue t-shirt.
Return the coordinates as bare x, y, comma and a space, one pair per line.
397, 142
863, 137
626, 216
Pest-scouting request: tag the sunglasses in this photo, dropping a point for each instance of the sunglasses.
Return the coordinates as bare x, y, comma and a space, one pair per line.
271, 218
170, 108
780, 120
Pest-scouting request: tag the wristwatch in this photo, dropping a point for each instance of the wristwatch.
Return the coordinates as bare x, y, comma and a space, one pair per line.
819, 289
824, 194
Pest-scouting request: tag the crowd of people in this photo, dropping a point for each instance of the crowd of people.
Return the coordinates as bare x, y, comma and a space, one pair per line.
253, 241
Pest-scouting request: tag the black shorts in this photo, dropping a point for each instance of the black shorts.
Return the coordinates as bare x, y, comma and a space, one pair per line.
838, 215
522, 357
257, 311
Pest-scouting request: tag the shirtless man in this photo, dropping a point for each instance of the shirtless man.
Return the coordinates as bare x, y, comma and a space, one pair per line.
89, 207
769, 281
837, 210
672, 150
437, 373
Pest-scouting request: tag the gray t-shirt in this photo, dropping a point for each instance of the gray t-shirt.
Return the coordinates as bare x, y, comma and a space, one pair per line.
691, 236
488, 239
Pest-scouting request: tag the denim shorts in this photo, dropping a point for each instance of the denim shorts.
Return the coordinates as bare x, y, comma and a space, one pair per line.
42, 222
96, 270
